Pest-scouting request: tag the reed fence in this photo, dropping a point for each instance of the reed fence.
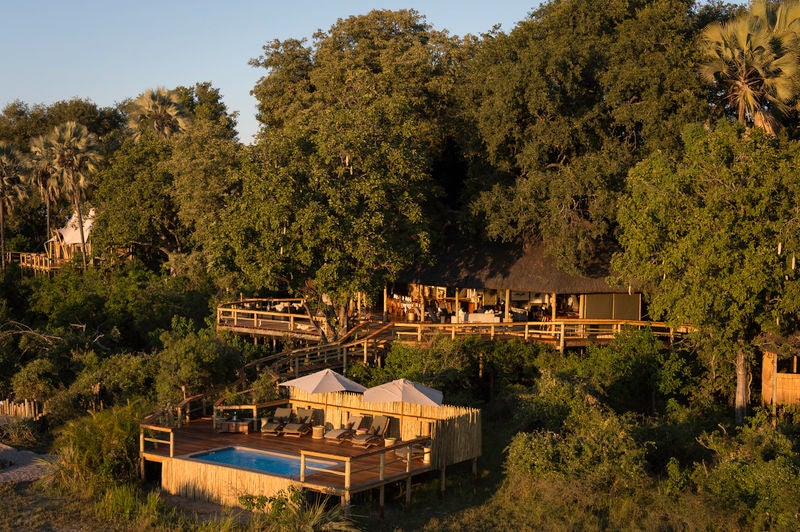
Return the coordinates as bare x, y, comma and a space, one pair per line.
21, 409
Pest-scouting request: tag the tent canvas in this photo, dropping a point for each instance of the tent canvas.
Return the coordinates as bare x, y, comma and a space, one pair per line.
70, 234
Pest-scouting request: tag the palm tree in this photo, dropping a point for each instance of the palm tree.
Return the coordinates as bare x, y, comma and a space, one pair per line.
159, 110
42, 176
11, 189
75, 156
754, 60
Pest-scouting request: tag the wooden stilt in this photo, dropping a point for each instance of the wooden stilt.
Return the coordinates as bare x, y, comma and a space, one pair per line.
441, 482
382, 499
475, 469
408, 494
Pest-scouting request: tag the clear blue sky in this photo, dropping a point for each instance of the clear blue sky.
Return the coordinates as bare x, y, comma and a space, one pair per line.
107, 50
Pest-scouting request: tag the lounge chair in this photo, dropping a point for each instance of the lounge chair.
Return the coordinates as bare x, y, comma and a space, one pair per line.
301, 425
374, 434
338, 436
273, 425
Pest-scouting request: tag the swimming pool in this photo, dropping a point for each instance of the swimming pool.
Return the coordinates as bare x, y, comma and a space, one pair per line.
267, 462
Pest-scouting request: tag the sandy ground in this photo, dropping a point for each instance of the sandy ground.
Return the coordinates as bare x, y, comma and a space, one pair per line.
24, 465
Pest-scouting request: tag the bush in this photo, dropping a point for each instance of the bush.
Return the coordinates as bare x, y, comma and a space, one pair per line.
97, 450
754, 474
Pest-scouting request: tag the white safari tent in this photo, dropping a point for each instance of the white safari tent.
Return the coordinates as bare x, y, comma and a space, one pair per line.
66, 242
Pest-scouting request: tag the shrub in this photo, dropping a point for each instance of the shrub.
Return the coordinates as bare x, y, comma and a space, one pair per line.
754, 474
97, 450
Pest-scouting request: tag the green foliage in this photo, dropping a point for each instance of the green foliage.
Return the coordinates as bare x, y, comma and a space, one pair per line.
36, 380
126, 306
126, 506
97, 450
337, 187
628, 373
194, 360
753, 475
102, 382
563, 115
290, 510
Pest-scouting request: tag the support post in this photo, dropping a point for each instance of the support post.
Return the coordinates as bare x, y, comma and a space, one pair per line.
442, 481
475, 469
382, 498
408, 494
506, 317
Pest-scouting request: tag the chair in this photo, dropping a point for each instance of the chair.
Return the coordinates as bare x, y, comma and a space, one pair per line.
374, 434
338, 436
301, 426
272, 426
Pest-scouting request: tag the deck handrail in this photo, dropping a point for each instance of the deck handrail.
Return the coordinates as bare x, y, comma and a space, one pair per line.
170, 441
349, 460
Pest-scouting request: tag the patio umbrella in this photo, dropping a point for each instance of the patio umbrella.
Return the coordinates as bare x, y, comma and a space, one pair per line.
324, 381
406, 391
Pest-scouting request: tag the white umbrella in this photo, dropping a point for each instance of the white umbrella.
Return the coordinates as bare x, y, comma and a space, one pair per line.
406, 391
324, 381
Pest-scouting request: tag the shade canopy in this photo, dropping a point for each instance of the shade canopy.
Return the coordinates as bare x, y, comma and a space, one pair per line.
406, 391
324, 381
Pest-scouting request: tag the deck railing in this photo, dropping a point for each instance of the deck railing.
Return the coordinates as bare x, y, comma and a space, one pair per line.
351, 464
266, 314
150, 434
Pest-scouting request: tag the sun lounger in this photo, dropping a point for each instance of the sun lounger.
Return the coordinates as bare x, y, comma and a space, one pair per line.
374, 434
338, 436
301, 425
272, 426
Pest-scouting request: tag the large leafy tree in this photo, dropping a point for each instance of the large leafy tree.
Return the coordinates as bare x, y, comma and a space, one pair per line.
711, 235
336, 189
12, 168
75, 157
754, 62
160, 193
565, 104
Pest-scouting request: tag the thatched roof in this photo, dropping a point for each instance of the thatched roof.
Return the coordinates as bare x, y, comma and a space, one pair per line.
502, 266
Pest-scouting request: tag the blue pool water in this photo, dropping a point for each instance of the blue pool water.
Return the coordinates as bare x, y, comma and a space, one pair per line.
276, 464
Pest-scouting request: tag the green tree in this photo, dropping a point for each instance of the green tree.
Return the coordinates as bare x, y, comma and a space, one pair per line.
135, 204
159, 111
565, 104
41, 175
754, 62
76, 155
711, 236
12, 168
204, 168
336, 190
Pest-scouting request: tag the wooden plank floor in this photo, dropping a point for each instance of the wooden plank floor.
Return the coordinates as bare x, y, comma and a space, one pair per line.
198, 436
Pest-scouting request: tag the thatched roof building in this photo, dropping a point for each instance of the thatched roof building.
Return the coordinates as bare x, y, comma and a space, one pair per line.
502, 266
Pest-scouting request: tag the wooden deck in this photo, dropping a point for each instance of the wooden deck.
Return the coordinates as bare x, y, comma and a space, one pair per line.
357, 469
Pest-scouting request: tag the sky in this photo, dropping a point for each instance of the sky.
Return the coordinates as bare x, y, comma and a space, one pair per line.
107, 51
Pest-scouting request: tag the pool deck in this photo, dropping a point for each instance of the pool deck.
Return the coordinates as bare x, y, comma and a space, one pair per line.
358, 469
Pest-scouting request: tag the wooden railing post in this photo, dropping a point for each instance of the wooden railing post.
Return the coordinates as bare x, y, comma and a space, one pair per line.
302, 466
562, 340
171, 444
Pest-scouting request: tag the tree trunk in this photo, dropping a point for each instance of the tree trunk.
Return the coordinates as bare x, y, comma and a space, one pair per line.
47, 209
742, 387
3, 236
77, 202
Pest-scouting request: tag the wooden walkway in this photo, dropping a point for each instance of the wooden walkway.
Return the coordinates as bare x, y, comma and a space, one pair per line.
275, 318
357, 469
